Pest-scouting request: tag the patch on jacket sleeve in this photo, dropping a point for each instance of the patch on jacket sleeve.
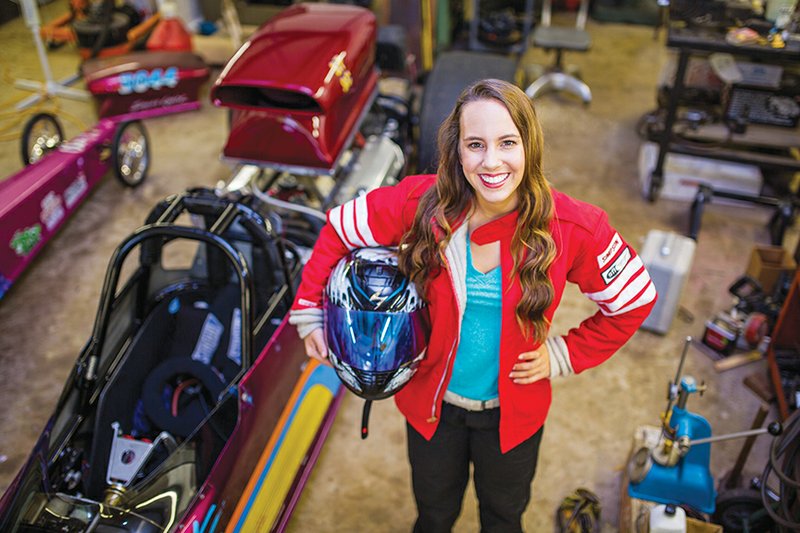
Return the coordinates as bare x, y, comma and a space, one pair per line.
611, 250
617, 266
630, 289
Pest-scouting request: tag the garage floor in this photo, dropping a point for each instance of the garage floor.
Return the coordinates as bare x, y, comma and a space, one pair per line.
360, 485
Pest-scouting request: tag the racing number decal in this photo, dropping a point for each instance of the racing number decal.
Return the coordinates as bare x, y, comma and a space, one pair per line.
143, 80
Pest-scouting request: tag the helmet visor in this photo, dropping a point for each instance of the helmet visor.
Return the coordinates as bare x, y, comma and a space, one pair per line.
375, 341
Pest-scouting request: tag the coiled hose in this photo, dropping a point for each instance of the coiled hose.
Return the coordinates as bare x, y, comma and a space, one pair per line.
784, 463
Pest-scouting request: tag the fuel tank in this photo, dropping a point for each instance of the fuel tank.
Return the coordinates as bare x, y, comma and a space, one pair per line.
299, 88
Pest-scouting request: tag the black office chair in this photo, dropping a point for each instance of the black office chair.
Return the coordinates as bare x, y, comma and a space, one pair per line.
560, 39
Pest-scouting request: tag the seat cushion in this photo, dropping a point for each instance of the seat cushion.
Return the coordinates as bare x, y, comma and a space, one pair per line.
561, 37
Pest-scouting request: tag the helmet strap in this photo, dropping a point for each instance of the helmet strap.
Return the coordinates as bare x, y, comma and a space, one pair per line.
365, 419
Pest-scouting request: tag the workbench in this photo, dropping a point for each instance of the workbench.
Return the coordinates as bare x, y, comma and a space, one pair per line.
738, 148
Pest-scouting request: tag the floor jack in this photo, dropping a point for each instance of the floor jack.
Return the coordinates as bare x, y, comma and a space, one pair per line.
676, 470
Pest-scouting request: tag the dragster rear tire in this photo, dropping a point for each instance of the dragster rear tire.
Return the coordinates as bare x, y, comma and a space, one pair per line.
451, 73
130, 152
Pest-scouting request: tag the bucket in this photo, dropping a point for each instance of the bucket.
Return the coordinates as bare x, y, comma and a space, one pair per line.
170, 34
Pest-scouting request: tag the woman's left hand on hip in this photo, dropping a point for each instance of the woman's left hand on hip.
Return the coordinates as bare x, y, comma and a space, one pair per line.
532, 366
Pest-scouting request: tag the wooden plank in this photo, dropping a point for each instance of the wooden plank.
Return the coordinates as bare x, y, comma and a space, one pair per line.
633, 512
758, 382
785, 333
737, 360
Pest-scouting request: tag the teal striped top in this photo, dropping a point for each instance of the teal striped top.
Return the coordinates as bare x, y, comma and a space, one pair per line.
477, 363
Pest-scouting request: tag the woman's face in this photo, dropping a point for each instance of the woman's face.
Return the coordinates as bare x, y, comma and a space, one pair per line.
492, 155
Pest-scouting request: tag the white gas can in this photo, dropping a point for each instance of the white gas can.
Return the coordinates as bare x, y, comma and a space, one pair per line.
668, 258
667, 519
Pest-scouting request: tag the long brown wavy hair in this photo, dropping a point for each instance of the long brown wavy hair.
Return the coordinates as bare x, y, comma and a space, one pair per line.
422, 248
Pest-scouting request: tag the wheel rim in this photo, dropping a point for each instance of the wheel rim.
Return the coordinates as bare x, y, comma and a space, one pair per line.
43, 138
739, 514
132, 154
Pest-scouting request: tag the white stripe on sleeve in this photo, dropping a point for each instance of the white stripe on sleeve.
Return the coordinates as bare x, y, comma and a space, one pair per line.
646, 297
362, 221
335, 220
628, 293
349, 224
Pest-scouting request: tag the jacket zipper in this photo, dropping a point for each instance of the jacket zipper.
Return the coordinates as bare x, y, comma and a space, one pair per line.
452, 349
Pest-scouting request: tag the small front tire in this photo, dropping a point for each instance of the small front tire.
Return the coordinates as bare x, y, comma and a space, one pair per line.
131, 153
41, 135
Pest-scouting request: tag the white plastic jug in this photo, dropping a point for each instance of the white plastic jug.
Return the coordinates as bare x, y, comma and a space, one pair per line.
779, 12
667, 519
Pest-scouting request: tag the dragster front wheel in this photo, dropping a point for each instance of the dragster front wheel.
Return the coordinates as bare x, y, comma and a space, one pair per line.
41, 134
131, 153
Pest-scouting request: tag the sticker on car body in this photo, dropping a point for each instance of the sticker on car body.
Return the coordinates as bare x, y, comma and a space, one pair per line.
25, 240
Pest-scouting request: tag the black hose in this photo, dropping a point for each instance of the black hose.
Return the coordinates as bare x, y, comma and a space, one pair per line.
365, 419
784, 458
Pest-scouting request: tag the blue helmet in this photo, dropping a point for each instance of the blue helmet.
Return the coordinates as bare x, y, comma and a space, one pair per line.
376, 324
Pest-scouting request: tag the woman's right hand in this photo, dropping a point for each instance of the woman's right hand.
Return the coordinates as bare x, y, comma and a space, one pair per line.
316, 347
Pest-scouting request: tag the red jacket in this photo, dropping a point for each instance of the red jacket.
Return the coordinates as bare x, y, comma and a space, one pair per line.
590, 253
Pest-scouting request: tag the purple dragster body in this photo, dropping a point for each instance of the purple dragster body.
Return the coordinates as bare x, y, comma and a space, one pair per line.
36, 201
154, 82
193, 407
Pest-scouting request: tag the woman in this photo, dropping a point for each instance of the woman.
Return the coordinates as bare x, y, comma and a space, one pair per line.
492, 245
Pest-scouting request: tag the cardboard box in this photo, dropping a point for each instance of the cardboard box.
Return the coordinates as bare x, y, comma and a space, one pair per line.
767, 263
696, 526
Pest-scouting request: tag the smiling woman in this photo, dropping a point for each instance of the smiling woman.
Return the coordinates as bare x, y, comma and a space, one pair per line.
481, 395
493, 161
492, 158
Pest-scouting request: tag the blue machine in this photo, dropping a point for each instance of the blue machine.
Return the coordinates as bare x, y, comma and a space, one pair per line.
688, 481
676, 470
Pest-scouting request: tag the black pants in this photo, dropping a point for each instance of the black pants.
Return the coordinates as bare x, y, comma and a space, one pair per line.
440, 471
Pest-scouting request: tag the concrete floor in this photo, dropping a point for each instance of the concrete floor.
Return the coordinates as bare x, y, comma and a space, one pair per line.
364, 485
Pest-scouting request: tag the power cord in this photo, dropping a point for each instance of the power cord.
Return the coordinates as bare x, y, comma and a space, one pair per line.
12, 119
784, 463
